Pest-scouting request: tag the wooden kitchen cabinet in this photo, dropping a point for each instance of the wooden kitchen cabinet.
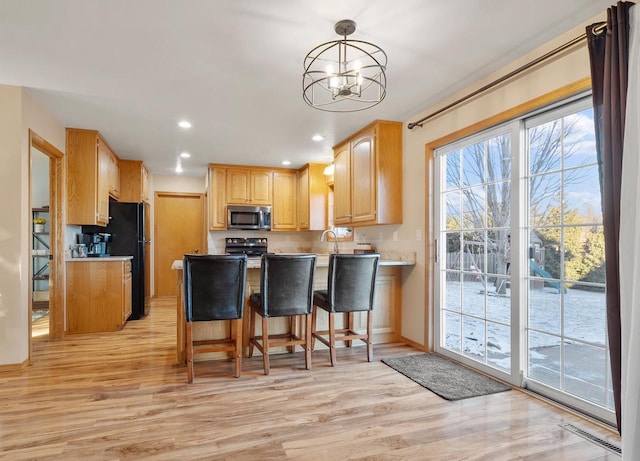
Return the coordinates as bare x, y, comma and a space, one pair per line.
89, 163
98, 295
248, 186
312, 197
134, 181
284, 209
217, 200
342, 185
113, 175
368, 176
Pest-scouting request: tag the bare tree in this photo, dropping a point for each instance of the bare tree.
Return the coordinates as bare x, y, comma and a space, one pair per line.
482, 174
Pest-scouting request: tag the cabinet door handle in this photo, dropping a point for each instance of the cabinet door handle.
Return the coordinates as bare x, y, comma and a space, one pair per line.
196, 251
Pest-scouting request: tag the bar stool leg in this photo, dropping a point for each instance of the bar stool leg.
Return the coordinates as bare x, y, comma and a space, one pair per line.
292, 332
349, 326
370, 336
252, 332
265, 346
332, 339
189, 341
238, 346
314, 316
307, 346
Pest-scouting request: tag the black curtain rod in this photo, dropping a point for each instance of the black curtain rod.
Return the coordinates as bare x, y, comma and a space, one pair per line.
597, 28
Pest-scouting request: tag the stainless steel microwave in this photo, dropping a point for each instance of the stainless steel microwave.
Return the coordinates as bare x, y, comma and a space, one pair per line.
246, 217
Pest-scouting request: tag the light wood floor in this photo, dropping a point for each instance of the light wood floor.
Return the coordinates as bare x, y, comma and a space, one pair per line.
120, 396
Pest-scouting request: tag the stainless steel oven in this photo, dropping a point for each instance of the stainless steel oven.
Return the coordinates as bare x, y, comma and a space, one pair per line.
245, 217
253, 247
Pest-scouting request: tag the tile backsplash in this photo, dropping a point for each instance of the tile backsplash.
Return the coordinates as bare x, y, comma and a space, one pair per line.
308, 242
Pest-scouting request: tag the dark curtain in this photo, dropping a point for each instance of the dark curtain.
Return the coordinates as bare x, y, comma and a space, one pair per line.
609, 54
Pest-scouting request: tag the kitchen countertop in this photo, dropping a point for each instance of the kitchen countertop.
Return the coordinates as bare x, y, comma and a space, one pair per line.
322, 261
105, 258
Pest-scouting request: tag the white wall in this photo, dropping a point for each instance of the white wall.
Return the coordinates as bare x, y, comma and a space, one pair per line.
14, 346
552, 75
18, 113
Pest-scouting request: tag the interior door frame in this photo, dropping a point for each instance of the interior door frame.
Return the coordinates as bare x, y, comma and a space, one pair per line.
56, 230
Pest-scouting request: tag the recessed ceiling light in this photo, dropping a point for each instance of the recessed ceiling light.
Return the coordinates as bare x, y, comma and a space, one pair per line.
317, 137
184, 124
185, 154
286, 162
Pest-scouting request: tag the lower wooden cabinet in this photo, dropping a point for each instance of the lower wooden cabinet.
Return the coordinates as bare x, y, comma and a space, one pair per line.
98, 295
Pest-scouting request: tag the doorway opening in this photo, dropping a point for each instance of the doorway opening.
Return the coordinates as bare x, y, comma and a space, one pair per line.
40, 243
47, 258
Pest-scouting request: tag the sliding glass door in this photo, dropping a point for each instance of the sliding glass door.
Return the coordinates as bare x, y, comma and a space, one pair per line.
520, 267
474, 216
567, 350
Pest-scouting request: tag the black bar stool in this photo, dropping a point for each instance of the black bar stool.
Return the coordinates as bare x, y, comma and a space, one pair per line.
286, 290
214, 288
350, 288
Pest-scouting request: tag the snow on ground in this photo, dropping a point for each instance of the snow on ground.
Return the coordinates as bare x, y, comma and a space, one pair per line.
578, 314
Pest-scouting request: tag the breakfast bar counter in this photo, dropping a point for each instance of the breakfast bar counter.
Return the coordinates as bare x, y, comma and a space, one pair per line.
387, 311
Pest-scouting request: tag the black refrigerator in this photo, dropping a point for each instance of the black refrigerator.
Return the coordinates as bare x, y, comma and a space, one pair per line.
128, 227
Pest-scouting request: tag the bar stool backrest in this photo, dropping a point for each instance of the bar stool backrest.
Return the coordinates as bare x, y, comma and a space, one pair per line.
286, 284
352, 280
214, 287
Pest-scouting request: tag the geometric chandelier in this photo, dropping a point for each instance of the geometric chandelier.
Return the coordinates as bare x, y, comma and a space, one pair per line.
344, 75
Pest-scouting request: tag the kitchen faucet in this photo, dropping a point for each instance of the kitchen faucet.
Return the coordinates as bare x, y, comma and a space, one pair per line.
335, 239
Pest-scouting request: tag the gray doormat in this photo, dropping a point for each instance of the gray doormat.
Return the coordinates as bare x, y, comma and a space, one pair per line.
444, 377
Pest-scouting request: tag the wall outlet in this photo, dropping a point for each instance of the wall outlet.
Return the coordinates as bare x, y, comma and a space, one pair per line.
418, 234
395, 236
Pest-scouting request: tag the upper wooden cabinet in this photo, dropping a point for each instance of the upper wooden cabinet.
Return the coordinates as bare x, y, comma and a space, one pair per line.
134, 181
113, 175
342, 184
216, 196
312, 197
368, 176
89, 164
283, 212
248, 186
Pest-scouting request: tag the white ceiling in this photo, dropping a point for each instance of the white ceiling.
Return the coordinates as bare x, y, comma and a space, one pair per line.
132, 69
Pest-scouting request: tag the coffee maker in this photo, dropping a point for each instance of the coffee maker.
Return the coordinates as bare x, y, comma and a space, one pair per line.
97, 244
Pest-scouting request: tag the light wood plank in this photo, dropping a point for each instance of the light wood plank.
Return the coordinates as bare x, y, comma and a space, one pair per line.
120, 395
